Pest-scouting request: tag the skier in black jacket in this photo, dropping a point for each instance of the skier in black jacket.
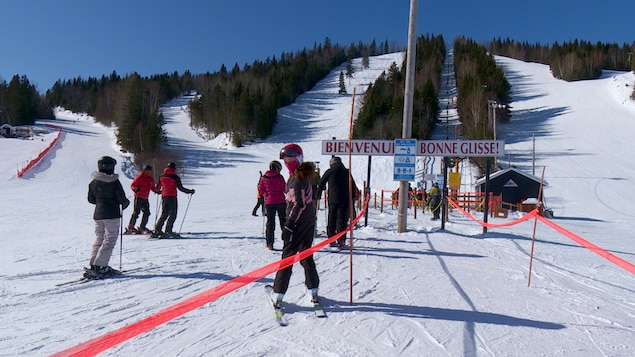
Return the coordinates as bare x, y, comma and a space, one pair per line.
107, 194
336, 178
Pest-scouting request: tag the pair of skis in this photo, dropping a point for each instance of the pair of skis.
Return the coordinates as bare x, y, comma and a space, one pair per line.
128, 232
84, 279
278, 314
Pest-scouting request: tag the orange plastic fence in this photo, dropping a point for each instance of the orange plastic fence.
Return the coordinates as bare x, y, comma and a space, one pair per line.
43, 153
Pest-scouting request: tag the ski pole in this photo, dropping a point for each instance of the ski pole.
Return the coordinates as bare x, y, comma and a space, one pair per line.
186, 207
156, 211
156, 206
263, 224
120, 236
326, 208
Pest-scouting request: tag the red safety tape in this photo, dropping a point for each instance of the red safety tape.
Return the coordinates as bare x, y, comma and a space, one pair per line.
529, 215
113, 338
590, 246
581, 241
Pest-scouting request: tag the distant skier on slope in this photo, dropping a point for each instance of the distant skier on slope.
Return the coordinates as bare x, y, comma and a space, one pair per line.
435, 201
260, 200
141, 186
168, 184
300, 226
107, 194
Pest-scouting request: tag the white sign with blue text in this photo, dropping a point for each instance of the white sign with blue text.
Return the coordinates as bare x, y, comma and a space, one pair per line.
405, 156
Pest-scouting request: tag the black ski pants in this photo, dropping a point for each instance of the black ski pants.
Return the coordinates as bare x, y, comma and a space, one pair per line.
169, 208
271, 210
302, 239
140, 205
337, 219
260, 202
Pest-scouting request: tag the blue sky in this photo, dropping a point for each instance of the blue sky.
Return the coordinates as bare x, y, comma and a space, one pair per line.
47, 40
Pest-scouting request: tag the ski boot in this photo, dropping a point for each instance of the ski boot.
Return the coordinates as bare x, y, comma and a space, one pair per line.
131, 230
144, 230
276, 299
170, 235
157, 234
99, 272
314, 296
318, 310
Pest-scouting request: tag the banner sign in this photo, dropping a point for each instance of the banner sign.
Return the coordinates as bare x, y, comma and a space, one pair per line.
451, 148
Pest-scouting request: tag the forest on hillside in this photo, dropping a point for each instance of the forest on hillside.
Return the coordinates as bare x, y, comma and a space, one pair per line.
570, 61
20, 103
244, 101
381, 115
480, 83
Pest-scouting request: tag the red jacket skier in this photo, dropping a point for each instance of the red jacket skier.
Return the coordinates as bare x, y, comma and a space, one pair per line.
141, 186
169, 183
144, 183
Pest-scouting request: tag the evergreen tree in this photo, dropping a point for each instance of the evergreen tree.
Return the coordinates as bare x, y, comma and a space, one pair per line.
349, 71
478, 80
365, 60
3, 102
154, 135
381, 114
21, 103
130, 126
373, 48
342, 89
327, 42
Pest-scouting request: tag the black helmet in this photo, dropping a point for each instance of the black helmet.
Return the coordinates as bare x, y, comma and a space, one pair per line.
335, 161
147, 168
106, 164
275, 165
172, 165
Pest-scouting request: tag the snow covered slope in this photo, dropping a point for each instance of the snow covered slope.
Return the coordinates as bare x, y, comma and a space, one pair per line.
425, 292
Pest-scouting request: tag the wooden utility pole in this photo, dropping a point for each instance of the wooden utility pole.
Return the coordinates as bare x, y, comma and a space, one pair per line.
406, 132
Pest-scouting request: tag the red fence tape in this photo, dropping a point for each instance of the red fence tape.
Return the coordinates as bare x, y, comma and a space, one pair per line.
528, 216
43, 153
581, 241
590, 246
113, 338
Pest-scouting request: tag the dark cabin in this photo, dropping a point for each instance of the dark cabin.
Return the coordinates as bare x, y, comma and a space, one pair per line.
512, 184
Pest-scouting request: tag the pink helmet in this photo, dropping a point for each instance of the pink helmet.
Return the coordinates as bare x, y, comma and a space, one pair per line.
292, 156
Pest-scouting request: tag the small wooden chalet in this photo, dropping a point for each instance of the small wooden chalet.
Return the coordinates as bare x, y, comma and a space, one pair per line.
513, 185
